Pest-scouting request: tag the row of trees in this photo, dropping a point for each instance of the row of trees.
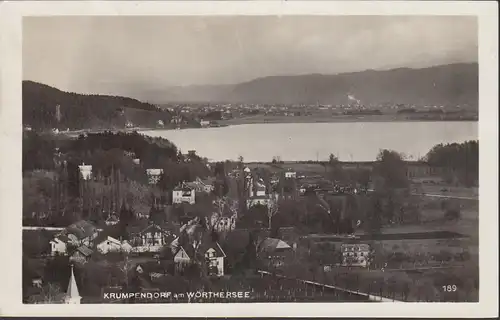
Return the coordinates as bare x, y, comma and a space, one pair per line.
461, 158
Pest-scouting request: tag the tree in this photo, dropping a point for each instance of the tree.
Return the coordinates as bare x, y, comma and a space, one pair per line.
460, 160
126, 214
125, 268
373, 222
50, 293
272, 209
392, 168
332, 159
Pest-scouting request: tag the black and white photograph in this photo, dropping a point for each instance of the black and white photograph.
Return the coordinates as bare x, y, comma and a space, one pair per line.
243, 159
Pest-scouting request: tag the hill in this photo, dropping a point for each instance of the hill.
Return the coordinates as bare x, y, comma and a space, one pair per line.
79, 111
439, 85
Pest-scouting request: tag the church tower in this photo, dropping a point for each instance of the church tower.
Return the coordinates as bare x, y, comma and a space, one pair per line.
72, 295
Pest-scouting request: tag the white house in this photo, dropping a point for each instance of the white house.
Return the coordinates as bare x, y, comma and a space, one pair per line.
111, 244
215, 259
154, 175
355, 254
152, 239
221, 224
112, 220
85, 171
264, 201
226, 224
58, 247
260, 188
205, 123
290, 174
183, 195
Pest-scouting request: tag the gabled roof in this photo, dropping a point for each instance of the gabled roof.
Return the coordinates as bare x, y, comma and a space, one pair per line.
109, 231
205, 246
154, 172
112, 240
273, 245
188, 249
112, 218
81, 229
150, 227
86, 251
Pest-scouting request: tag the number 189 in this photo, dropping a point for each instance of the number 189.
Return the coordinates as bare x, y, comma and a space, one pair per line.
450, 288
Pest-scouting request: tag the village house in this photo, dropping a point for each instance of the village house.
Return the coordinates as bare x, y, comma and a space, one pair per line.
151, 239
84, 231
111, 244
183, 257
355, 254
290, 174
58, 246
151, 269
77, 234
85, 171
183, 194
112, 220
258, 189
201, 185
224, 224
423, 172
81, 255
262, 200
154, 175
205, 123
214, 257
275, 251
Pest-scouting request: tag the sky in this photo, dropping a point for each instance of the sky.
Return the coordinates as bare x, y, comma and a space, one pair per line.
113, 55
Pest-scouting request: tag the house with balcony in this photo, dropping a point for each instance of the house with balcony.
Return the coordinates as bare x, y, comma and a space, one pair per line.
183, 194
355, 254
151, 239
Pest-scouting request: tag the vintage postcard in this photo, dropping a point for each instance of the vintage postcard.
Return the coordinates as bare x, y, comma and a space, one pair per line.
249, 158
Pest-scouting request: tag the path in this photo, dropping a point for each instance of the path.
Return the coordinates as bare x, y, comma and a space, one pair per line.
370, 297
439, 196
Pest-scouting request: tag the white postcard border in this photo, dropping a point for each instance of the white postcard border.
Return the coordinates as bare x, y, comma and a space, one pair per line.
11, 14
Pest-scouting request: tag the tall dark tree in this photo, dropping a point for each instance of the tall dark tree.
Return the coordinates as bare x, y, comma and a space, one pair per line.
392, 168
126, 214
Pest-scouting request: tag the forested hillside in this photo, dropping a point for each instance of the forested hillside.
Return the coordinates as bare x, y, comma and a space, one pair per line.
79, 111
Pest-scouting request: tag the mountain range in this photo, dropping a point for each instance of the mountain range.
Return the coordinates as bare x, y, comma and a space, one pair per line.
451, 84
438, 85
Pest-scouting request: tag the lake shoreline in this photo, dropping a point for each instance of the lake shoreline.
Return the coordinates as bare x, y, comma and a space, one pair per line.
273, 120
346, 119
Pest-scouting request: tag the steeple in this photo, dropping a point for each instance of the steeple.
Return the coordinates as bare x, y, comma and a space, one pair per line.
72, 295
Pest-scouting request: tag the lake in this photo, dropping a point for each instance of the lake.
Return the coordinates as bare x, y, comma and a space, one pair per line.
353, 141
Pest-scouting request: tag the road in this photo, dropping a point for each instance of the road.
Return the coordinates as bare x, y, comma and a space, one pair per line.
47, 228
446, 196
